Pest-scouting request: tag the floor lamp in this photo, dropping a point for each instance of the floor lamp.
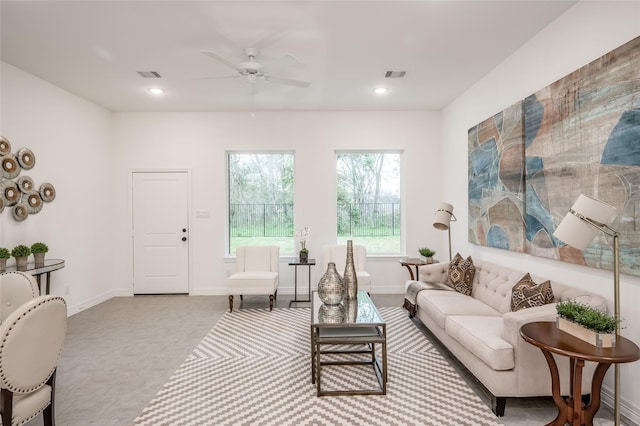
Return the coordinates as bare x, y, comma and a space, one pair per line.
579, 227
444, 215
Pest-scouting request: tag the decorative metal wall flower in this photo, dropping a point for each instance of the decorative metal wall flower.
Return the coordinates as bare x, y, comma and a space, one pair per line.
21, 193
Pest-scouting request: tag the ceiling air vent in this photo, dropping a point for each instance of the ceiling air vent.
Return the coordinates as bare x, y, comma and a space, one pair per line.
149, 74
395, 74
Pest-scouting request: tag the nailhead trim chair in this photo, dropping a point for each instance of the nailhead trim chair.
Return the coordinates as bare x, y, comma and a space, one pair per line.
257, 269
16, 288
31, 340
338, 255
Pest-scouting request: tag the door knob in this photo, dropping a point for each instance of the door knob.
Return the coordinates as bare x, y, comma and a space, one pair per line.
184, 229
184, 238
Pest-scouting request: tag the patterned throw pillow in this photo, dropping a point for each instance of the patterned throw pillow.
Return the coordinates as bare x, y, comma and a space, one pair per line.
527, 294
461, 273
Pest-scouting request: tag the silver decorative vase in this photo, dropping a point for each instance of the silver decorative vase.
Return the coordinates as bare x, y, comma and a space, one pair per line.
333, 314
331, 286
349, 277
351, 310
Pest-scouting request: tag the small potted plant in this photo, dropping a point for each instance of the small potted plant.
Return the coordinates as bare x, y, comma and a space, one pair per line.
427, 254
304, 238
4, 255
38, 250
21, 253
587, 323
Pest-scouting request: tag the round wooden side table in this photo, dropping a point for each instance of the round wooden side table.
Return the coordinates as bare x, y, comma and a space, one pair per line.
551, 340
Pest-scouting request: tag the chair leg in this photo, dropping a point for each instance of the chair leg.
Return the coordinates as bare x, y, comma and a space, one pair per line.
231, 303
48, 415
6, 405
241, 298
271, 302
275, 295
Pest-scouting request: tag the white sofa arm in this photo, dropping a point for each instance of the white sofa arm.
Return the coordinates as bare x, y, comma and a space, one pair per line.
512, 321
434, 273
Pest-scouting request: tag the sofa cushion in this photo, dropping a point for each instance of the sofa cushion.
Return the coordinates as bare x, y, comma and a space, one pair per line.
481, 335
461, 273
440, 304
527, 294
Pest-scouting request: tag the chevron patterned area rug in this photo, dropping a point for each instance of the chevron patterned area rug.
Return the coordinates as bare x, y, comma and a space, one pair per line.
254, 368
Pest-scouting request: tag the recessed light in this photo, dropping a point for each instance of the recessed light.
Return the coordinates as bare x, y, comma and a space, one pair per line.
380, 90
155, 91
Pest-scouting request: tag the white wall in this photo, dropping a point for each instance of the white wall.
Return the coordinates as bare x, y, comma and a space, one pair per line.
198, 142
71, 140
584, 33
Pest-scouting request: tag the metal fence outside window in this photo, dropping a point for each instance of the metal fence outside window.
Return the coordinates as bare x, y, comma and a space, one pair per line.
276, 220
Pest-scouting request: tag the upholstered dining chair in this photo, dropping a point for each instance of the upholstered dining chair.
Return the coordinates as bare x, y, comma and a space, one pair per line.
16, 288
31, 340
338, 255
257, 269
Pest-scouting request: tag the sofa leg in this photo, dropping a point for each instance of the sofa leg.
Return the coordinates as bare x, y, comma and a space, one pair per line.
271, 302
498, 404
230, 303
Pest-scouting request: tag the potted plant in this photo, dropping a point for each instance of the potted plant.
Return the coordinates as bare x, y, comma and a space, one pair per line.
21, 253
587, 323
427, 254
304, 238
4, 255
38, 250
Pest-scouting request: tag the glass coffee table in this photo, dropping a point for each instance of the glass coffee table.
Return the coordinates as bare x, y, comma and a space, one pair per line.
350, 330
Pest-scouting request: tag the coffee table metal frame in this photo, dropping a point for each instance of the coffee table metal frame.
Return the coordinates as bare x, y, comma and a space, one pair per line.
367, 330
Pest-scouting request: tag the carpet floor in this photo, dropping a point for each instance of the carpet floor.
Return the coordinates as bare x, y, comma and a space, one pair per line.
254, 368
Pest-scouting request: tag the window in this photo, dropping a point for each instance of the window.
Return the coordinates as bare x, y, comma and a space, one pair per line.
369, 200
261, 200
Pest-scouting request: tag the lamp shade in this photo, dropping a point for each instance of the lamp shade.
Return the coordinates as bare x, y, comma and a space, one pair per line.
575, 228
443, 216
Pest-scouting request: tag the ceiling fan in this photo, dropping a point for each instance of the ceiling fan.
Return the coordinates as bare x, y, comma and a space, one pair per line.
252, 70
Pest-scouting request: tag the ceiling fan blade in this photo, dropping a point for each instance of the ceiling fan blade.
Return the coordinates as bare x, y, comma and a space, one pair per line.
287, 81
221, 59
283, 61
214, 77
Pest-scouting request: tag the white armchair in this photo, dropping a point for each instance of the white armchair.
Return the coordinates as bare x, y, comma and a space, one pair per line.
338, 255
16, 288
257, 269
32, 337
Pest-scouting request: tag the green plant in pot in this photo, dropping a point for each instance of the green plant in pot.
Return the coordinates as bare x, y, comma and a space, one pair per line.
4, 255
427, 253
38, 250
589, 318
21, 253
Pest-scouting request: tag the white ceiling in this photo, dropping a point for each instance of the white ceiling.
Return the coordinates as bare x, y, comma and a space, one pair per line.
94, 48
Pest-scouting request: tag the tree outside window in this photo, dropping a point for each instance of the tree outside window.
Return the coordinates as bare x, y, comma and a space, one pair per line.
368, 205
261, 200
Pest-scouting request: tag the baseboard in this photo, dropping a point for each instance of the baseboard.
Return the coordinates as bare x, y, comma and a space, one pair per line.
79, 307
629, 413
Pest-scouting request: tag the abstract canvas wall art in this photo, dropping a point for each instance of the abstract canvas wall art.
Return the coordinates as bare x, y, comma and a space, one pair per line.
582, 136
496, 186
579, 135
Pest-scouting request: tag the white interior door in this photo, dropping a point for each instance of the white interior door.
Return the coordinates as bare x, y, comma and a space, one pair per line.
160, 233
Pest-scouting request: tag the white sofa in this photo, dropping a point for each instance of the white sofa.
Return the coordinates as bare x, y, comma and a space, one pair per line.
484, 335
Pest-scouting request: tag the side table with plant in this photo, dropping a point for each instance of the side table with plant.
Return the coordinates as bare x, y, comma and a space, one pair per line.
587, 323
4, 255
427, 254
21, 253
38, 250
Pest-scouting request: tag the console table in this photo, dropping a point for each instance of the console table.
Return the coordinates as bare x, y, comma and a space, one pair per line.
551, 340
295, 263
39, 270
